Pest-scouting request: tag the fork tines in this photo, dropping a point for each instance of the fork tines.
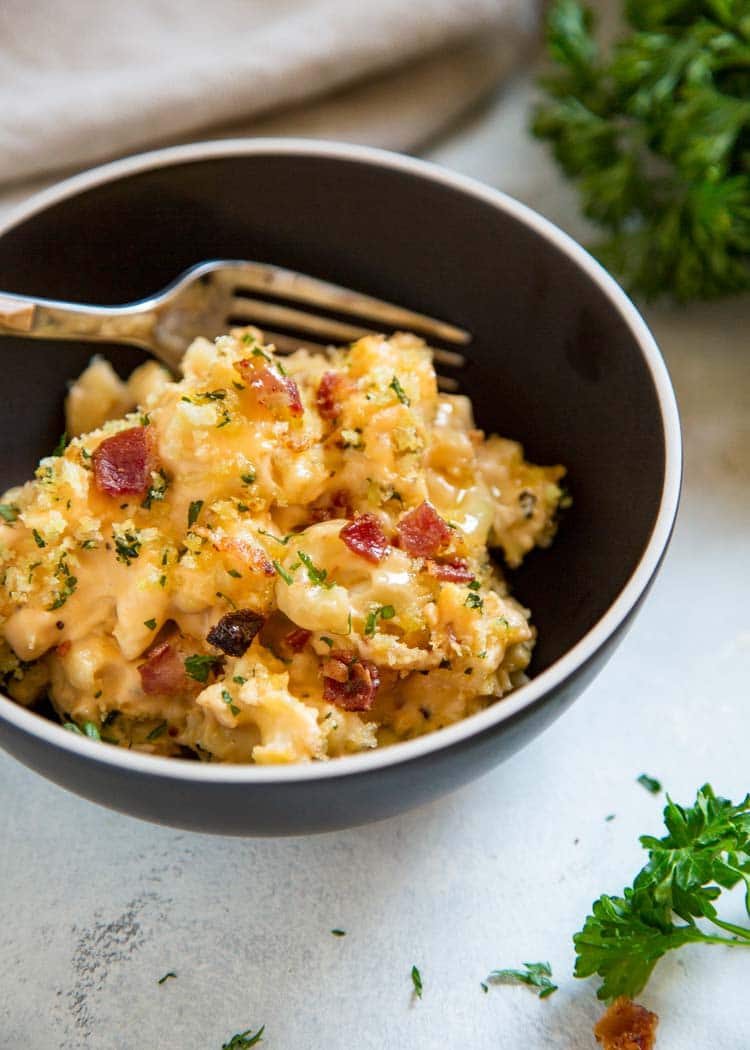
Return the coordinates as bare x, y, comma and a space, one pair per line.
318, 331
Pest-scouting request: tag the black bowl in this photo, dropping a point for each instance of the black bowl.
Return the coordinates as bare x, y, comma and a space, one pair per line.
561, 360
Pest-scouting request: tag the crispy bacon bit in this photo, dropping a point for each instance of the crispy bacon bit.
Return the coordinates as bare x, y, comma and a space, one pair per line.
456, 571
298, 639
278, 393
163, 671
62, 649
123, 463
332, 390
234, 633
626, 1026
336, 505
365, 536
423, 532
349, 684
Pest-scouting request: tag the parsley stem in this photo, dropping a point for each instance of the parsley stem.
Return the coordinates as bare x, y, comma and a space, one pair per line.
739, 931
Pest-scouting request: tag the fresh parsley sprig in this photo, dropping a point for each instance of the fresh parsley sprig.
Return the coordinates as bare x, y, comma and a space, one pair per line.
706, 849
654, 133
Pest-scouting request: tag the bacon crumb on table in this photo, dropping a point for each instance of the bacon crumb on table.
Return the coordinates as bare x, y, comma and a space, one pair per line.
123, 463
626, 1026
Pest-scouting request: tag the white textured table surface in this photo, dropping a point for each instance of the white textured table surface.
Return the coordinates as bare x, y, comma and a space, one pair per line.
96, 906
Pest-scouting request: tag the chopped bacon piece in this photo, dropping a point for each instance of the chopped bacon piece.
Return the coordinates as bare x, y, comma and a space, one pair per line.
62, 649
234, 633
123, 463
349, 684
298, 639
626, 1026
332, 390
278, 393
336, 505
365, 536
456, 571
163, 671
423, 532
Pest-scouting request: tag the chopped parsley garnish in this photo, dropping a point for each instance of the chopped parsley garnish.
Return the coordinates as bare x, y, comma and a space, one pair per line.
151, 624
97, 694
474, 585
38, 539
195, 509
416, 980
328, 641
233, 572
91, 730
398, 390
127, 546
72, 728
8, 512
706, 850
156, 491
239, 679
485, 987
244, 1040
199, 667
283, 573
238, 386
315, 575
156, 733
257, 352
339, 933
535, 975
61, 445
88, 545
166, 977
242, 507
649, 783
249, 478
227, 599
385, 612
473, 601
68, 585
228, 699
162, 581
282, 540
225, 418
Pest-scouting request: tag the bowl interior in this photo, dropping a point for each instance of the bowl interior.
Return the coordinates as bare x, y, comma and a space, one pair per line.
553, 363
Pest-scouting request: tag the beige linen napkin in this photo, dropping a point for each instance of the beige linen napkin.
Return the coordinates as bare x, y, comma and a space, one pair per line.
87, 80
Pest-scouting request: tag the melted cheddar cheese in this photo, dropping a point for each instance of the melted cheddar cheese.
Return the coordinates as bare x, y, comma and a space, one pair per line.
244, 510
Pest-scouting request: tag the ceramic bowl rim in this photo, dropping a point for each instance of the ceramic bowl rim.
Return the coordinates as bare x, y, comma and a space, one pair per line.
537, 688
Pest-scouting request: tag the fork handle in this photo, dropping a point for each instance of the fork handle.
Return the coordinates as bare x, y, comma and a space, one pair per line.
49, 319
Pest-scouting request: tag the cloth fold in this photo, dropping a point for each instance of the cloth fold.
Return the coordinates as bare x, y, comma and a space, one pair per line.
84, 82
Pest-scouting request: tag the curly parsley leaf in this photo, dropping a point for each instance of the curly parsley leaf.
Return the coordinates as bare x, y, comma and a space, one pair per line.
416, 980
649, 783
8, 512
654, 135
706, 849
536, 975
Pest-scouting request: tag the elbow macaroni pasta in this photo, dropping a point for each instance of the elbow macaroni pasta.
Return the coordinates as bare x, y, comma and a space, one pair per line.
245, 512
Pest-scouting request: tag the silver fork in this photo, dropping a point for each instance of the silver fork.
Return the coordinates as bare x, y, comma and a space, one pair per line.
211, 297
